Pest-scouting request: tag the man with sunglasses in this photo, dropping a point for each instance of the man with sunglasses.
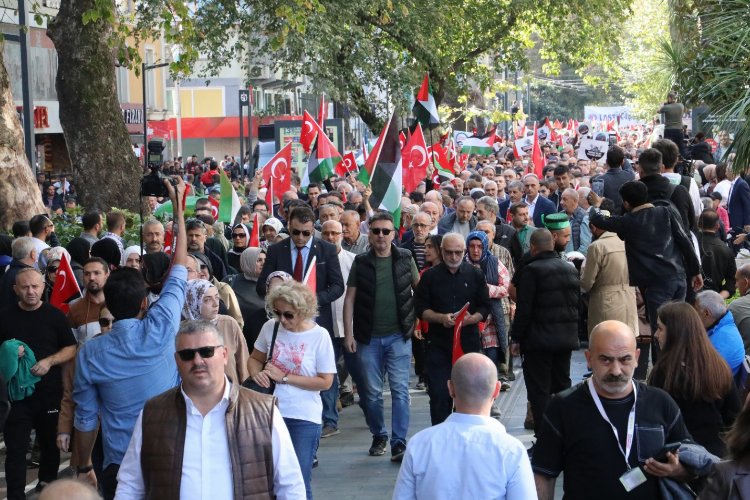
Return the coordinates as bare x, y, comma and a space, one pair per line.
118, 372
378, 324
294, 256
190, 424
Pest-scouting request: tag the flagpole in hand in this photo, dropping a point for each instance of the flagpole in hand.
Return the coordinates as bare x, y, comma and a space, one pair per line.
179, 240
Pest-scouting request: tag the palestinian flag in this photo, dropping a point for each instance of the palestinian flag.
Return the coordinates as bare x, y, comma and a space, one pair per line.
322, 162
477, 146
424, 108
386, 181
229, 204
365, 173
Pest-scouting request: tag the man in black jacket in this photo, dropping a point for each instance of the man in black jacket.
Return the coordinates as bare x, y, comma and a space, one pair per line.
545, 329
659, 188
717, 259
660, 255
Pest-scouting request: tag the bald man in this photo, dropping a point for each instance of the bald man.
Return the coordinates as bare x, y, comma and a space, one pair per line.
69, 489
577, 436
469, 437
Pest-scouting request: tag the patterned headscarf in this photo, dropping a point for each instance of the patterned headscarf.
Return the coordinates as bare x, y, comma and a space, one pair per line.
194, 292
285, 276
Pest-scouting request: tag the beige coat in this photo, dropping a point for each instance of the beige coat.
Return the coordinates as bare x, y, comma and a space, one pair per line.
605, 278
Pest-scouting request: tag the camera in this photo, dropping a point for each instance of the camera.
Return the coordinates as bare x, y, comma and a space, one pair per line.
152, 184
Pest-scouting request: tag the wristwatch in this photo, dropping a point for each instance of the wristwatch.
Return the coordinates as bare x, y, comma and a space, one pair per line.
285, 379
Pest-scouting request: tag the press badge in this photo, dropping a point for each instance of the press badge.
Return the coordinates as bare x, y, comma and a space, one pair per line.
632, 479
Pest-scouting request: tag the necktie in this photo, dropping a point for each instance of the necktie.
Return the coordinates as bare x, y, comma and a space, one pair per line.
298, 266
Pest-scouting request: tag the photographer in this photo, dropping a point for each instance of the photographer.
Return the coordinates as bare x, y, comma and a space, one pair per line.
117, 373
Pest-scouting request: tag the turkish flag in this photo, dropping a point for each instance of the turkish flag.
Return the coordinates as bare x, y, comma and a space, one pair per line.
415, 160
347, 165
537, 159
322, 111
458, 351
439, 155
65, 288
310, 129
277, 174
214, 207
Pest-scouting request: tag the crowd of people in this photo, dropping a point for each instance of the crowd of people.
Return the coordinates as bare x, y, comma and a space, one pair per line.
201, 365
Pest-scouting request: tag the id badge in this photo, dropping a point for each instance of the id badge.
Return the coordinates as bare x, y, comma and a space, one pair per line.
632, 479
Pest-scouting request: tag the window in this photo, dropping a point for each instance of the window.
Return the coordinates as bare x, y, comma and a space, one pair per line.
121, 75
150, 78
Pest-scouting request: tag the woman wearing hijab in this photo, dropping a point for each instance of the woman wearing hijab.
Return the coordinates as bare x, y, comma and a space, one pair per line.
252, 306
202, 302
80, 251
240, 240
52, 257
229, 304
131, 257
494, 336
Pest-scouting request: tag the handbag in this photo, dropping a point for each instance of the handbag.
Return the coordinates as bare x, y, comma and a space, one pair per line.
252, 384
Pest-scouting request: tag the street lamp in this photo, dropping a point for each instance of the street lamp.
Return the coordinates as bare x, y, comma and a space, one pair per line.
144, 68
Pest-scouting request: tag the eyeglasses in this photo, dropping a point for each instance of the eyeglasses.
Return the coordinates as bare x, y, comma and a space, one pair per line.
418, 224
297, 232
331, 233
286, 314
453, 252
205, 352
52, 269
238, 235
105, 322
378, 231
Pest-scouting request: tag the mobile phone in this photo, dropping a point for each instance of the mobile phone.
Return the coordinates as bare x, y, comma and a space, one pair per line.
661, 456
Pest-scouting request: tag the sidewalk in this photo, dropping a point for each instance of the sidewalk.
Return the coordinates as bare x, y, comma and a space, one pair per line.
346, 470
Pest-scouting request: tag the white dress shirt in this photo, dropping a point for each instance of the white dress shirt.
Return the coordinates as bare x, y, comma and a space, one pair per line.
206, 464
531, 204
346, 258
467, 457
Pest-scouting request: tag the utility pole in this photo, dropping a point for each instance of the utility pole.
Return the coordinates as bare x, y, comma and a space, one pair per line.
144, 68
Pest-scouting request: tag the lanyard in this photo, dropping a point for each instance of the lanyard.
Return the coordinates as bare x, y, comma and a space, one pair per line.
631, 421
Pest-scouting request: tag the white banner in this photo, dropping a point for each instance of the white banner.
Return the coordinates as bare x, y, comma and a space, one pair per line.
600, 114
589, 149
525, 145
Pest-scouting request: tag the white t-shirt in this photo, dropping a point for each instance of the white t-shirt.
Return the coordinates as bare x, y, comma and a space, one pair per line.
305, 353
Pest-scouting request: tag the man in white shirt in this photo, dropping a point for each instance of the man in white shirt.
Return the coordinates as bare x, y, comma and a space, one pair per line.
216, 464
471, 438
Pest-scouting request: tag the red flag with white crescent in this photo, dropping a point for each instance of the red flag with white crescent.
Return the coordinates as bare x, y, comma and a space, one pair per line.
310, 129
277, 174
347, 165
65, 288
415, 160
311, 277
255, 234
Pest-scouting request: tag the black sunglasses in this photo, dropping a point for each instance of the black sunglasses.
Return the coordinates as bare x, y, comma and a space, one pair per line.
105, 322
51, 269
297, 232
205, 352
238, 235
286, 314
378, 231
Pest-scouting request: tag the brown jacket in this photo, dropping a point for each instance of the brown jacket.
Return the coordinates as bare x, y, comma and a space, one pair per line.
249, 421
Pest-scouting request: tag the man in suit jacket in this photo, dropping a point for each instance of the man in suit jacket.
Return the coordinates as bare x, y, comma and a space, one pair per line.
738, 203
537, 203
294, 255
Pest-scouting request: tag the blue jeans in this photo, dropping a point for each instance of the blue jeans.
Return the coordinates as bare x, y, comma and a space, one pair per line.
391, 354
305, 437
329, 396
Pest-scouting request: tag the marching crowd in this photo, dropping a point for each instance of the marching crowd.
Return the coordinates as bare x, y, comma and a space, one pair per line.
159, 378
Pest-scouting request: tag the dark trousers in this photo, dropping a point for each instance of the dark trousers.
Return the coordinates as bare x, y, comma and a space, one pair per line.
39, 411
109, 481
655, 296
420, 354
545, 373
438, 373
675, 135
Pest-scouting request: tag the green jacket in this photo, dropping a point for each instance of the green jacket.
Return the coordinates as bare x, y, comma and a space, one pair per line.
17, 371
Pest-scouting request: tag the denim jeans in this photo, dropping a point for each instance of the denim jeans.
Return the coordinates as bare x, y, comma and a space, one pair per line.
391, 354
329, 396
305, 437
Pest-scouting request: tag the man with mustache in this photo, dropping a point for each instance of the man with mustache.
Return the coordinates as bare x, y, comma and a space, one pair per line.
604, 432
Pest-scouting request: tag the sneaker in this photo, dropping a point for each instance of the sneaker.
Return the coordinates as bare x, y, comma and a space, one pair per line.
379, 444
504, 386
397, 452
420, 384
329, 431
315, 462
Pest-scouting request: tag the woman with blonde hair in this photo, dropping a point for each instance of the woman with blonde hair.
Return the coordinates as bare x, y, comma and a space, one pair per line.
302, 364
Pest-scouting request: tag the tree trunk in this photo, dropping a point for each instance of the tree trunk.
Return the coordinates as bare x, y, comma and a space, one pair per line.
107, 171
20, 198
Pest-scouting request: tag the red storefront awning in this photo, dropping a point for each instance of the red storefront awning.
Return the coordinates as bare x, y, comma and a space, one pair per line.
211, 128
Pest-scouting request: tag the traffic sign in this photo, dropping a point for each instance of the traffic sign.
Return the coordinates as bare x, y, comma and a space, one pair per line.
244, 97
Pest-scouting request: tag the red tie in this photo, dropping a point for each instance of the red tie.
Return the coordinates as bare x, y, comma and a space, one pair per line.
298, 266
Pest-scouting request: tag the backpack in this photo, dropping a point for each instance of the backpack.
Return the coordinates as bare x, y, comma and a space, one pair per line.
667, 202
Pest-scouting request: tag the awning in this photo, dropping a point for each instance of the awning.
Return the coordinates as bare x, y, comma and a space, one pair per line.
212, 128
